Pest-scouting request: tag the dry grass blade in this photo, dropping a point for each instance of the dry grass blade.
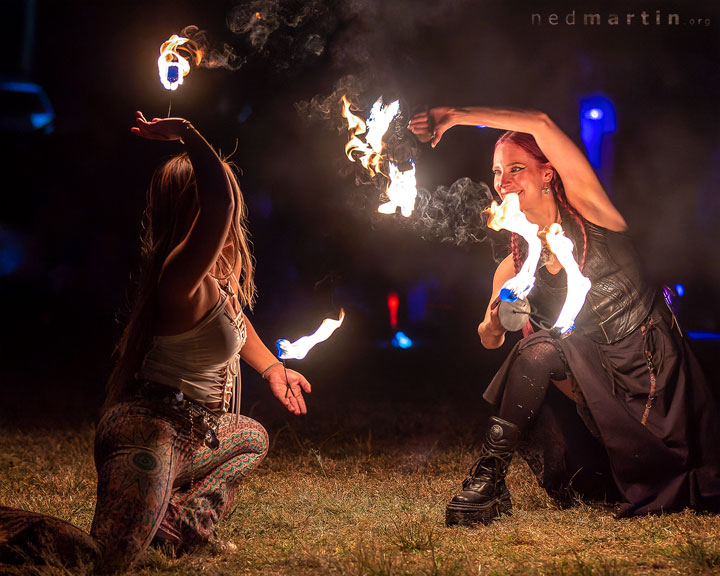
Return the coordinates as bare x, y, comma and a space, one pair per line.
360, 505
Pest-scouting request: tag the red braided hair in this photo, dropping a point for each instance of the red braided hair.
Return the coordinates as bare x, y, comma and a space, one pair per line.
519, 250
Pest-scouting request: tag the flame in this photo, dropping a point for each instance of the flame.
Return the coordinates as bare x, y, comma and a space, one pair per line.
577, 284
298, 350
172, 65
508, 216
401, 189
357, 149
379, 121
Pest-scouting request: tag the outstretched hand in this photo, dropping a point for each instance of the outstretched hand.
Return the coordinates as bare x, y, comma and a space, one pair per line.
431, 125
292, 398
159, 128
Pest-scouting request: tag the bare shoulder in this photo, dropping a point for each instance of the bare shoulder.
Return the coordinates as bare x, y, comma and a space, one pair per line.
176, 315
504, 271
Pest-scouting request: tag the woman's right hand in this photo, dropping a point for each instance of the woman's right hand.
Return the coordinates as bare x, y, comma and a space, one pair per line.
431, 125
491, 332
491, 326
495, 323
287, 386
159, 128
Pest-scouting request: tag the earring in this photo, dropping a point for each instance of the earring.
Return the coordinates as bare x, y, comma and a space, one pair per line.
546, 189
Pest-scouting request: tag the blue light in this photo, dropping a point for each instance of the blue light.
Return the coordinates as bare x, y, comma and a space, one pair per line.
417, 300
20, 87
680, 290
699, 335
480, 126
10, 253
173, 73
41, 119
400, 340
597, 118
507, 295
35, 98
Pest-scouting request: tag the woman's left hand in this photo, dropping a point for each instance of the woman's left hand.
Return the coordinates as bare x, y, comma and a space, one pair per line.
431, 125
289, 391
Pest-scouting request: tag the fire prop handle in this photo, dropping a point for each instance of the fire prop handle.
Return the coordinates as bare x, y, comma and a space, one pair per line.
288, 389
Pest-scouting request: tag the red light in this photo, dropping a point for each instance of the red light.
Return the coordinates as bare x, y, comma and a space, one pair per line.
393, 302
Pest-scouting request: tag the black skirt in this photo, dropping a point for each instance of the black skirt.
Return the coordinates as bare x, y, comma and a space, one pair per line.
645, 429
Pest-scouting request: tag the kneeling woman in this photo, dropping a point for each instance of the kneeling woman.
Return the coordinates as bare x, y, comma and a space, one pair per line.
642, 427
170, 450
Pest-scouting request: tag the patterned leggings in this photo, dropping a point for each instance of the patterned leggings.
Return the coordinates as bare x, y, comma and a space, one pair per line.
155, 478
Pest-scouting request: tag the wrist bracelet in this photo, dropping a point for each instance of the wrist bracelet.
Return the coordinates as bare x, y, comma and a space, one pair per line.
188, 130
268, 369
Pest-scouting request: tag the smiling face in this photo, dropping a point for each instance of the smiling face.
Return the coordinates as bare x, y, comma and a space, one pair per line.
516, 170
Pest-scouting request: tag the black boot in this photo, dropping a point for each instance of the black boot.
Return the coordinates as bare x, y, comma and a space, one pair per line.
484, 496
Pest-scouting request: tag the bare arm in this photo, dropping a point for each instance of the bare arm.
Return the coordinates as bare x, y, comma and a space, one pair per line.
582, 187
254, 352
492, 334
257, 355
191, 260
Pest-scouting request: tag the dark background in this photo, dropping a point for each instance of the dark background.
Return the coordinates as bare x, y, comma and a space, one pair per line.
71, 201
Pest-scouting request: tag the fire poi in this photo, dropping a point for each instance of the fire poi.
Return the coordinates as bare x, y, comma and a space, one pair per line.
514, 292
401, 189
299, 349
172, 65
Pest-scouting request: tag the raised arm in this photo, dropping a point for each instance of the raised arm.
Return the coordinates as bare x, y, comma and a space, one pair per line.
582, 187
191, 260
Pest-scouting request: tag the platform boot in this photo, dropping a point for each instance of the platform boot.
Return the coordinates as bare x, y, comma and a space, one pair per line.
484, 495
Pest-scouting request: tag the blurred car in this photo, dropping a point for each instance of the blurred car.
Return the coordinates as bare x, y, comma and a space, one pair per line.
25, 108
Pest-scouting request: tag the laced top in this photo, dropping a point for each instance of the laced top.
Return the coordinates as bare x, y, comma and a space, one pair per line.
203, 362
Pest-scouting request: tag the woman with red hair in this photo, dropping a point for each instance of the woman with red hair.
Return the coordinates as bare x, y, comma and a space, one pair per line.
619, 410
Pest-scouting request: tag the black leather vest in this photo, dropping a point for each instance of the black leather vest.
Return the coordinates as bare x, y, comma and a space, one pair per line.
619, 298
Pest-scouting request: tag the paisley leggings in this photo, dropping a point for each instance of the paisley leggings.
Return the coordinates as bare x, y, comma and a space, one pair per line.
158, 481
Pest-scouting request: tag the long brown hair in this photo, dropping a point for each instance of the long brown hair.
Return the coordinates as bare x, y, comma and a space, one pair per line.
519, 249
171, 210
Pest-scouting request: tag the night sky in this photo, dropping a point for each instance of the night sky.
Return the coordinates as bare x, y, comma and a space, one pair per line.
72, 200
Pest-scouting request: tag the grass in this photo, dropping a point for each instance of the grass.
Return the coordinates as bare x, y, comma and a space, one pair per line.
359, 503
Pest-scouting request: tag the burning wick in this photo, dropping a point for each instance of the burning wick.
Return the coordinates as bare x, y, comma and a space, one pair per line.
379, 121
368, 152
298, 350
509, 217
401, 189
577, 284
172, 66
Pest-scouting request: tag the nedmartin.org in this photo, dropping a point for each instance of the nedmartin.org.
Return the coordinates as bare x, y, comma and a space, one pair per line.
644, 18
